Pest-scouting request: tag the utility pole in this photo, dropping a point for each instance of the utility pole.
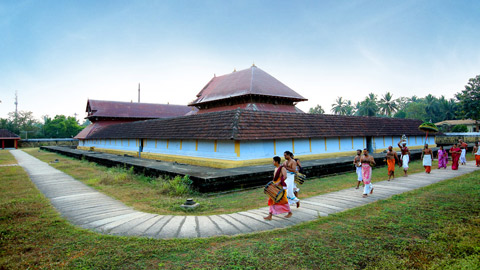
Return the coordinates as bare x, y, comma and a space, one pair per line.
138, 92
16, 109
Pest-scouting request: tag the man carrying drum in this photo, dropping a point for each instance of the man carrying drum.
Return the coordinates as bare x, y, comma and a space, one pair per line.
282, 206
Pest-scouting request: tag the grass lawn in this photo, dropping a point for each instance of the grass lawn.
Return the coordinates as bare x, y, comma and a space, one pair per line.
147, 194
435, 227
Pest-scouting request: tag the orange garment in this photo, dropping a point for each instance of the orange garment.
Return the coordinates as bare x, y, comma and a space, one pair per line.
428, 169
477, 160
391, 165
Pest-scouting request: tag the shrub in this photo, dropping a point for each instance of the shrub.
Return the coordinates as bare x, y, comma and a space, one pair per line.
460, 128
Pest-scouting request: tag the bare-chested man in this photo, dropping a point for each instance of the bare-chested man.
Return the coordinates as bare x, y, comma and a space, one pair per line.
358, 167
427, 156
391, 157
405, 157
291, 165
476, 153
367, 163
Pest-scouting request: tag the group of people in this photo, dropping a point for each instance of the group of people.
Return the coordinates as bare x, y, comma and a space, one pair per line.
459, 155
284, 177
284, 173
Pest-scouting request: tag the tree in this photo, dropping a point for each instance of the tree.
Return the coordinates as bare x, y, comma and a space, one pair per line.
469, 100
368, 107
387, 105
460, 128
447, 108
416, 110
26, 125
61, 127
338, 107
316, 110
349, 109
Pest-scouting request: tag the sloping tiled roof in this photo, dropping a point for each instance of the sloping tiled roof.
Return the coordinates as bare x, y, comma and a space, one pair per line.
456, 122
116, 109
94, 127
251, 81
255, 107
7, 134
257, 125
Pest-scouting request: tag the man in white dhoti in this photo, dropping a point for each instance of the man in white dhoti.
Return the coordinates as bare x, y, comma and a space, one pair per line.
358, 167
427, 155
405, 156
291, 165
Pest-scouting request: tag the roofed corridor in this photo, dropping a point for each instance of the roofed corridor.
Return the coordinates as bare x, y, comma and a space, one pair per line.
85, 207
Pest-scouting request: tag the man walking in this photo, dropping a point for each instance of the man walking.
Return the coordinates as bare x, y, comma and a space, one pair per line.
391, 157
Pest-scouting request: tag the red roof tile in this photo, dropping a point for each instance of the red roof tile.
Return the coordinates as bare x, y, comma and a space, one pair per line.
252, 81
257, 125
116, 109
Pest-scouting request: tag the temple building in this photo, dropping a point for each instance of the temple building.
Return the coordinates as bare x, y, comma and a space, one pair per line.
8, 139
102, 113
245, 118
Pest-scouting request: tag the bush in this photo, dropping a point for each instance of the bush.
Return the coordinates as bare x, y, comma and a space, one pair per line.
177, 186
460, 128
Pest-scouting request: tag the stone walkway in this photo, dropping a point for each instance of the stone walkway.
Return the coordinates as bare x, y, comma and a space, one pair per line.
85, 207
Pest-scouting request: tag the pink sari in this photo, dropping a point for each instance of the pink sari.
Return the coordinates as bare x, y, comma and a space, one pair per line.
366, 173
442, 159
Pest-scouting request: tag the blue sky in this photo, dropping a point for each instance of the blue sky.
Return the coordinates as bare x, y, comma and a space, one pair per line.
57, 54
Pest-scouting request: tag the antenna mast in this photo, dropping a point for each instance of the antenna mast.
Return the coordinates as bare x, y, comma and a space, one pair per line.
138, 92
16, 109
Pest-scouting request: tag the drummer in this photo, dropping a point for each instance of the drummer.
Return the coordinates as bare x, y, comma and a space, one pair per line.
279, 176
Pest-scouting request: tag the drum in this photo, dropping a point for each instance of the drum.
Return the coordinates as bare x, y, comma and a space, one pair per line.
300, 178
274, 192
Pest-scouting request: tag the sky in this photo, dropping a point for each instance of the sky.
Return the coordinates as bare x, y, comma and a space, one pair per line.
58, 54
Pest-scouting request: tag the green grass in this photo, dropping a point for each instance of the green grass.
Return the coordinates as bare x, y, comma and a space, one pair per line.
161, 196
436, 227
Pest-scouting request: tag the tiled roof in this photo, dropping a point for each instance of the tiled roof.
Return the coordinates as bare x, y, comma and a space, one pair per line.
456, 122
257, 125
94, 127
255, 107
7, 134
116, 109
251, 81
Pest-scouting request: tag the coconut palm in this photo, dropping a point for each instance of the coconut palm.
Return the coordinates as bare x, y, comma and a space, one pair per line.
337, 108
368, 107
387, 105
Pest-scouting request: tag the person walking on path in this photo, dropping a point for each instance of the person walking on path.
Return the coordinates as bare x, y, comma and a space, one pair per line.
455, 152
358, 167
476, 153
367, 163
442, 157
300, 170
427, 157
463, 155
279, 176
405, 157
291, 167
391, 157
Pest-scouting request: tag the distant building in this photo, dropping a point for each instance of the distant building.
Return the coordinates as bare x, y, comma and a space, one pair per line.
8, 139
245, 118
447, 125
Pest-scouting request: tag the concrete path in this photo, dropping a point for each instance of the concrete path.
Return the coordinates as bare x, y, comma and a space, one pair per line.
85, 207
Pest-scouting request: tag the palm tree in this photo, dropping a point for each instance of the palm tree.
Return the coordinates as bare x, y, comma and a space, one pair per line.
338, 106
387, 105
348, 108
316, 110
368, 107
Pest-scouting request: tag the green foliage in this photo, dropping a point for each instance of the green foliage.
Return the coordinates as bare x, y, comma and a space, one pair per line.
387, 105
460, 128
416, 110
400, 114
61, 127
176, 186
317, 110
469, 99
368, 107
428, 127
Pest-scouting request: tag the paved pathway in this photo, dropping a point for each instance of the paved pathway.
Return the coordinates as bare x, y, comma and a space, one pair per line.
85, 207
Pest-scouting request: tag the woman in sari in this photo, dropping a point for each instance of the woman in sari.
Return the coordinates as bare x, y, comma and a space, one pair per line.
279, 176
442, 157
367, 163
455, 151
